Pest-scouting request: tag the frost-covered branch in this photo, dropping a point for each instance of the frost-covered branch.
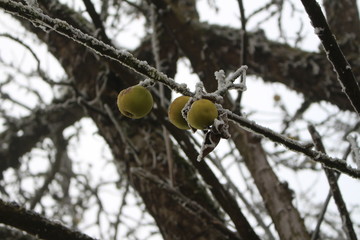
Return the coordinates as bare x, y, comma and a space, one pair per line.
343, 69
16, 216
333, 163
334, 187
125, 58
316, 232
355, 149
225, 84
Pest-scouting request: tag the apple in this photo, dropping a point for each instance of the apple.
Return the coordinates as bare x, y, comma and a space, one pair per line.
175, 115
135, 102
202, 114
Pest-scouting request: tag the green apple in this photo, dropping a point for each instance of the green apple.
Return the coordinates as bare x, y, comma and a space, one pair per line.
174, 113
202, 114
135, 102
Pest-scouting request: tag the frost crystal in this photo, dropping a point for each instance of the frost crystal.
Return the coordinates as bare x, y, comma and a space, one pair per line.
33, 3
318, 30
220, 77
147, 82
355, 149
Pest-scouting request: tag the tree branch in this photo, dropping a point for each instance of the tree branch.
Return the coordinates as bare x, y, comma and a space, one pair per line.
96, 20
102, 49
343, 69
61, 154
333, 163
10, 233
34, 128
16, 216
334, 187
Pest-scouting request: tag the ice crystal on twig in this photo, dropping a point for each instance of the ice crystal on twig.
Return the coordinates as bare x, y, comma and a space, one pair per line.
220, 127
355, 149
147, 82
225, 84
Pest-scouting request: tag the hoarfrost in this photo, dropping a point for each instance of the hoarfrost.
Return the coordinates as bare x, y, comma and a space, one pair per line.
183, 85
355, 149
147, 82
318, 30
220, 77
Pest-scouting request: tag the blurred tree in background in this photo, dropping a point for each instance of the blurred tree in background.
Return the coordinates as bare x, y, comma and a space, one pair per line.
71, 164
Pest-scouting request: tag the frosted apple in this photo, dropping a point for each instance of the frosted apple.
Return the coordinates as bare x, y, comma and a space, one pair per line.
175, 115
202, 114
135, 102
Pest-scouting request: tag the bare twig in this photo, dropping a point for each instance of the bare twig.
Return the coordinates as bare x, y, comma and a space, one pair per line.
41, 73
156, 48
304, 106
96, 20
316, 231
120, 212
60, 144
243, 59
326, 203
123, 136
250, 208
334, 187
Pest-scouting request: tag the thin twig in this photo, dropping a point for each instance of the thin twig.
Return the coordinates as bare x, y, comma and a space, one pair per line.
287, 121
247, 204
243, 50
31, 51
121, 208
156, 48
330, 162
60, 144
326, 203
334, 187
243, 60
96, 20
123, 136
